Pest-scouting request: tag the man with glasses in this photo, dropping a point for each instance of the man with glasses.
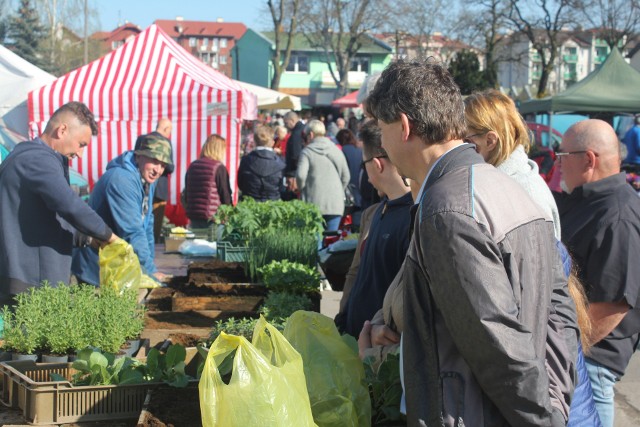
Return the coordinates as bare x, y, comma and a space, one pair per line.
384, 247
600, 218
481, 272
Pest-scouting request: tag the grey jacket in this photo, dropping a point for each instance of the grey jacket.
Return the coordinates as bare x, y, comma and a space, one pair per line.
322, 175
483, 287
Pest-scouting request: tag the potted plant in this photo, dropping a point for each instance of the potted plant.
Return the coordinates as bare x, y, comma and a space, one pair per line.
21, 341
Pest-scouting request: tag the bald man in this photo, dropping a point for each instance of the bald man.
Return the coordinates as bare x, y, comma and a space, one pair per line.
600, 218
163, 130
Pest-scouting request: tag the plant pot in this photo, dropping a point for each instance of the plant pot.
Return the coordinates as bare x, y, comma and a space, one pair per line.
5, 355
20, 356
53, 358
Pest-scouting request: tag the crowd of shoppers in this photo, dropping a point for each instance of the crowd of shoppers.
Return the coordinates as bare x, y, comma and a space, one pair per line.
508, 304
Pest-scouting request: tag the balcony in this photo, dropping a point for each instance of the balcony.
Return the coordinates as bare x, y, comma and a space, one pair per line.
570, 75
570, 58
209, 48
535, 57
535, 75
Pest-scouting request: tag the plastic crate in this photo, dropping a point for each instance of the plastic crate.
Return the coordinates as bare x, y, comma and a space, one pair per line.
26, 385
230, 253
206, 233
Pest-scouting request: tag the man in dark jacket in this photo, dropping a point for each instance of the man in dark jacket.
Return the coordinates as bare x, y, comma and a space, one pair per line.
295, 144
600, 217
260, 171
386, 244
161, 195
38, 208
482, 274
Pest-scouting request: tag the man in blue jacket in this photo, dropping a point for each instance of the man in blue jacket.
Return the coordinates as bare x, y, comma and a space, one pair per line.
38, 209
123, 198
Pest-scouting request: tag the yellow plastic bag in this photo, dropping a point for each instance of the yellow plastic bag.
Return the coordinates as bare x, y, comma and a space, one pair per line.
335, 374
119, 266
267, 386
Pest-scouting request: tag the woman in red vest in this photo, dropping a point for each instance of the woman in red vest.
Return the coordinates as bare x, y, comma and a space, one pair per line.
207, 183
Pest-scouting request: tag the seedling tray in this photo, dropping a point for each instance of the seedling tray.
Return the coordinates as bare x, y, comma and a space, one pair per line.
26, 385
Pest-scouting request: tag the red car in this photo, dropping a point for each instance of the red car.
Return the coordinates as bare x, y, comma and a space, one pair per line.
542, 149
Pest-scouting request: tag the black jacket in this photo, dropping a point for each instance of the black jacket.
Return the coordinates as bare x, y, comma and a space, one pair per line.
294, 147
260, 175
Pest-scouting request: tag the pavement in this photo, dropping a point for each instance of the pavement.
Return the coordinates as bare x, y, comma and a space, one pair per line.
627, 399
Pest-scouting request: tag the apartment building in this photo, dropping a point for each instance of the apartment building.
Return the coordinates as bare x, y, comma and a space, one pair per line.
520, 65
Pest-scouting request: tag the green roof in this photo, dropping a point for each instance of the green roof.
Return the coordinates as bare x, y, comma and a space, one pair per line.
301, 44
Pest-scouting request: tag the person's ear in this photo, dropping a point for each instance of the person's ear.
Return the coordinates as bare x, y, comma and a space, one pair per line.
406, 126
492, 140
379, 164
591, 159
61, 130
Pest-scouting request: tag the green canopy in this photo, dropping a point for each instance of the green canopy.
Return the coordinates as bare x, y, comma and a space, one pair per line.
614, 88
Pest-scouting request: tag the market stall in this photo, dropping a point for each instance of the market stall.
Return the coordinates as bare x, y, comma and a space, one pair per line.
134, 86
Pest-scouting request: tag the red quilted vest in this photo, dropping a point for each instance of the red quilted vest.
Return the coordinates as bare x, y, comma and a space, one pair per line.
203, 199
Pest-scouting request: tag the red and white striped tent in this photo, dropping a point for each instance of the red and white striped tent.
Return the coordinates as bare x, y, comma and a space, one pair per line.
131, 88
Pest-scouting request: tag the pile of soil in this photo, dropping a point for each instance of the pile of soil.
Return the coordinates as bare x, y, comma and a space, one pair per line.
216, 271
170, 407
185, 340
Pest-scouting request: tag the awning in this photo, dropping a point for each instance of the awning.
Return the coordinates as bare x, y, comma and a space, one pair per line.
347, 101
269, 99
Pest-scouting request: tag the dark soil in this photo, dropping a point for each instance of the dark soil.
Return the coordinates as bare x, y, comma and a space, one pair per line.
172, 407
185, 340
216, 271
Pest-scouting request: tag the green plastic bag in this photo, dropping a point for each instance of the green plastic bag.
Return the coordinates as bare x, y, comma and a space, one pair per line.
119, 266
335, 375
267, 385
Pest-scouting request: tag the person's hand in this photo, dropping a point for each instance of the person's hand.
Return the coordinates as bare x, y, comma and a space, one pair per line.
383, 335
292, 184
99, 244
160, 277
364, 339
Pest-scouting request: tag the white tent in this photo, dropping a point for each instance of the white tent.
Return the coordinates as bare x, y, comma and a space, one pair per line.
269, 99
17, 78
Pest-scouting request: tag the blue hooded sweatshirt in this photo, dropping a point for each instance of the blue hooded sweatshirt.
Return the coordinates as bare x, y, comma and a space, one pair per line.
117, 197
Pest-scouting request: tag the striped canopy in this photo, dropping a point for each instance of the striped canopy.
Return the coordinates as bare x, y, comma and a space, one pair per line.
131, 88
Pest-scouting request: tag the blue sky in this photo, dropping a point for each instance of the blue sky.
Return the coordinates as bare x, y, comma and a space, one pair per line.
144, 12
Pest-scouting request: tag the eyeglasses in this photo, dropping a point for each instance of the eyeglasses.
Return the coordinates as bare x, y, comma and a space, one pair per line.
364, 162
468, 140
561, 154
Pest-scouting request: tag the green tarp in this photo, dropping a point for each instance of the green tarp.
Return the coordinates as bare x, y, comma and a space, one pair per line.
614, 87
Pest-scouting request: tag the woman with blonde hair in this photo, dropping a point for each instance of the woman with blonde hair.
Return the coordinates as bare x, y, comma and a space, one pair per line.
502, 137
207, 183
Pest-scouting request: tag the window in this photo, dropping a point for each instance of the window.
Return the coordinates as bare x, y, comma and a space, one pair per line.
192, 41
572, 51
360, 63
298, 63
205, 42
223, 42
223, 59
116, 44
215, 42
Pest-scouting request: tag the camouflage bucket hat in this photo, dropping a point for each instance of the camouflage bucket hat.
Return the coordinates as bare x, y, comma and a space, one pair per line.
156, 148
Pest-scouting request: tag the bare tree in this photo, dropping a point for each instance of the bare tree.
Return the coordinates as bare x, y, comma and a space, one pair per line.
284, 14
422, 18
617, 21
484, 24
339, 28
541, 23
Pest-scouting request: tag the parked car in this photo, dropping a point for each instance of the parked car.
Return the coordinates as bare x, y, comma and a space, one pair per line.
542, 150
